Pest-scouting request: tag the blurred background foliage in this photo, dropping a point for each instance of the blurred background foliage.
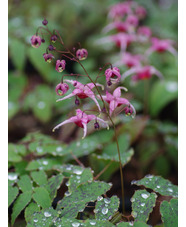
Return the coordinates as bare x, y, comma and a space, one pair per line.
32, 99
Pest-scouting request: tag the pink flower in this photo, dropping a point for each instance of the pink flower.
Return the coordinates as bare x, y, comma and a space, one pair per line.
48, 57
161, 45
36, 41
112, 75
120, 26
141, 12
144, 33
61, 89
81, 54
132, 20
130, 60
115, 100
119, 10
53, 38
60, 65
142, 73
81, 120
82, 91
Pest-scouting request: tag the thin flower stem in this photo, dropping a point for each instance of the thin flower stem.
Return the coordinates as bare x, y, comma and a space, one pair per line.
77, 160
102, 171
118, 150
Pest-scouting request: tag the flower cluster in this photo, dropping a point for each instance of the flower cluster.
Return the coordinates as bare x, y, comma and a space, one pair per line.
109, 101
125, 20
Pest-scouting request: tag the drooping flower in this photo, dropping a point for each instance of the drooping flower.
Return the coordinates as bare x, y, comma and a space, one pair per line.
36, 41
128, 110
81, 120
45, 22
112, 75
141, 12
129, 60
119, 10
60, 65
132, 20
53, 38
81, 54
161, 45
61, 89
142, 73
114, 100
120, 26
144, 33
48, 57
82, 91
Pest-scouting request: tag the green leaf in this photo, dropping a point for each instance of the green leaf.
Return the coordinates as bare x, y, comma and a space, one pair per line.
25, 183
13, 154
20, 204
142, 204
161, 94
17, 53
158, 184
76, 201
134, 224
42, 197
169, 212
105, 208
54, 184
39, 177
13, 108
43, 164
40, 103
30, 210
76, 180
44, 218
12, 194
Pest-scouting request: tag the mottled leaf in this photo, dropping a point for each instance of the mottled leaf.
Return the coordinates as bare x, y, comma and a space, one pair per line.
53, 185
30, 210
42, 197
134, 224
142, 204
20, 204
76, 201
80, 178
43, 164
44, 218
105, 208
158, 184
169, 212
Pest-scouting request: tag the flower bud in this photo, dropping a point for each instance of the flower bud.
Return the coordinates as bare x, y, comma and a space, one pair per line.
81, 54
45, 22
60, 65
36, 41
128, 110
77, 102
53, 38
61, 89
96, 125
48, 57
43, 40
109, 83
51, 48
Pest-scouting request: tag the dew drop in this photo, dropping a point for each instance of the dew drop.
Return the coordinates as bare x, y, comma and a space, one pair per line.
67, 183
39, 149
67, 193
132, 200
12, 176
133, 182
145, 196
35, 220
78, 144
78, 171
95, 211
45, 163
149, 176
169, 189
59, 149
142, 204
47, 214
134, 214
104, 210
75, 224
99, 198
157, 186
107, 200
92, 222
131, 223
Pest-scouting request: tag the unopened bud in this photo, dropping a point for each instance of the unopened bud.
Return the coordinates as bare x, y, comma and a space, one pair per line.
96, 125
77, 102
